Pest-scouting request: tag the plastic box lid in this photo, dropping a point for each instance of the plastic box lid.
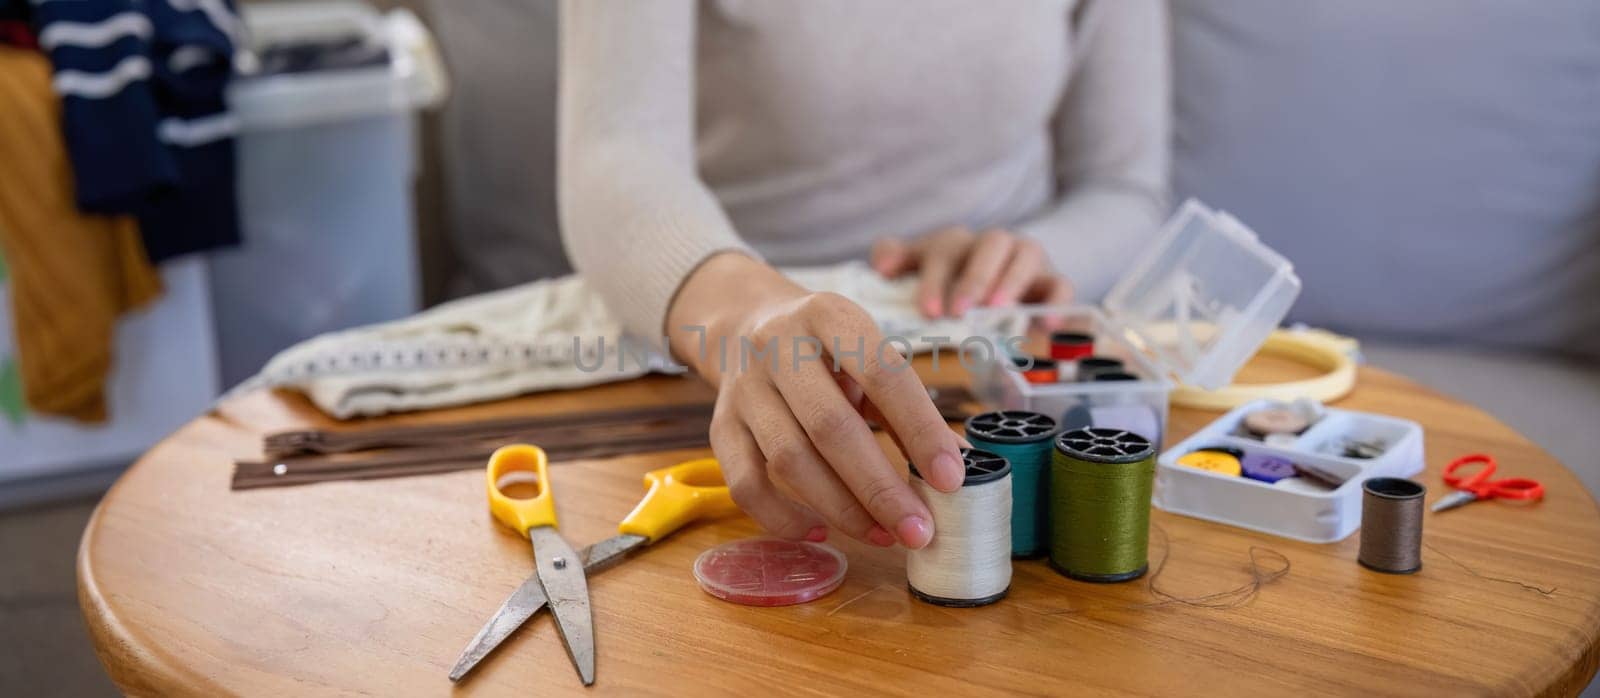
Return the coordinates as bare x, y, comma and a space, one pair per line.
414, 78
1202, 300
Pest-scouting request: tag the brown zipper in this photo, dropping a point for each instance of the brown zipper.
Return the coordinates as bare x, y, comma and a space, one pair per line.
292, 443
438, 459
315, 455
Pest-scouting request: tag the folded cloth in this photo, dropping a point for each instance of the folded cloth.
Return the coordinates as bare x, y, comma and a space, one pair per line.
545, 335
72, 275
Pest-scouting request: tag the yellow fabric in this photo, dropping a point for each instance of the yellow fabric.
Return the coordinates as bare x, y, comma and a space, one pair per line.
72, 275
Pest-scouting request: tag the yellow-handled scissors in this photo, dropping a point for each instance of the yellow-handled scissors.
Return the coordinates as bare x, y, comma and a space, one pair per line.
674, 496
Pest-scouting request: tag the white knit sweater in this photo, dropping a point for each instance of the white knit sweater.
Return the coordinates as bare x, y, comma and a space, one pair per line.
805, 130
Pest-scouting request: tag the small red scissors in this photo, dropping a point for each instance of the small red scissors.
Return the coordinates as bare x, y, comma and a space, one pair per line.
1478, 485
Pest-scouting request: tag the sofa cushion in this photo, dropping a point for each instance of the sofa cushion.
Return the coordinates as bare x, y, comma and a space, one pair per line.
1432, 167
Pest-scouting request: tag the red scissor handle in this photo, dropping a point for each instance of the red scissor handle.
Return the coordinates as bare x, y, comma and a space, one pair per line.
1479, 483
1471, 482
1516, 488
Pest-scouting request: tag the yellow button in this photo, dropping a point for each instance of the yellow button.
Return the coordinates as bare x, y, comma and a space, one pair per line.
1214, 461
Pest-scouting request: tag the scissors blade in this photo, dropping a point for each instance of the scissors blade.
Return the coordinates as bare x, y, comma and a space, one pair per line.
600, 556
525, 602
567, 592
1453, 500
518, 608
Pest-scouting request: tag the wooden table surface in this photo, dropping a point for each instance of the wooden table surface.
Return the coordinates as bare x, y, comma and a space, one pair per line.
374, 587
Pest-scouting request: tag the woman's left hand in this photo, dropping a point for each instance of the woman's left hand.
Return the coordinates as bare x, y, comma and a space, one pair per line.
959, 269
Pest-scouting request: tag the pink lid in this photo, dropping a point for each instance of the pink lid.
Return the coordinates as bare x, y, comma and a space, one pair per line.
769, 571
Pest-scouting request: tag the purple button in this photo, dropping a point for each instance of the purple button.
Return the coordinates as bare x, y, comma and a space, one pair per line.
1266, 468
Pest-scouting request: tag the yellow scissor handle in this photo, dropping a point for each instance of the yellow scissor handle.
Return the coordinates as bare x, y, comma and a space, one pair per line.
678, 495
527, 467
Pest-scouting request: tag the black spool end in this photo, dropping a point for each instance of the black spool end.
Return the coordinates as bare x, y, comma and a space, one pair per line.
1101, 445
1010, 427
1394, 488
1067, 338
982, 466
1032, 363
1034, 555
1101, 578
957, 603
1109, 376
1380, 569
1099, 363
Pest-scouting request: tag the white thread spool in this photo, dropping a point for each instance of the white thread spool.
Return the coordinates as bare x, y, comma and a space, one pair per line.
968, 562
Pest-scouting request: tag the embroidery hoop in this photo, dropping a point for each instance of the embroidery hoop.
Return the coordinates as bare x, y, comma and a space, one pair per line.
1333, 354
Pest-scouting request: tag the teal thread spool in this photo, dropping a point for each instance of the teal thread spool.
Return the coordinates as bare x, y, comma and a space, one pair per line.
1100, 482
1024, 439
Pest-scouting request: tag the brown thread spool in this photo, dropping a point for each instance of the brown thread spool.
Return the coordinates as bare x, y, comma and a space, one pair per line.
1391, 525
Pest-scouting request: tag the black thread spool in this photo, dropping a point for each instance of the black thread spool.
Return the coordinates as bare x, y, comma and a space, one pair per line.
1088, 368
1391, 525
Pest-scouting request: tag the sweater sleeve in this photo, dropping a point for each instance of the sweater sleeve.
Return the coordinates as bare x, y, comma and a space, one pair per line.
1112, 132
635, 216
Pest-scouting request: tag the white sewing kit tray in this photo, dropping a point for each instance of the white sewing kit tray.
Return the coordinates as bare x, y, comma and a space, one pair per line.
1294, 507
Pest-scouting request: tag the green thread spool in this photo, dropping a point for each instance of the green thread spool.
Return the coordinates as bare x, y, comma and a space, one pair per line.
1026, 440
1100, 482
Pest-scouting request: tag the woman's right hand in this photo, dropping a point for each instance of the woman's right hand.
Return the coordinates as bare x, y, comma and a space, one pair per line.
793, 399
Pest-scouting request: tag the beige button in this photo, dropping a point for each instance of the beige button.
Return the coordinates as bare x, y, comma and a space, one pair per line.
1275, 420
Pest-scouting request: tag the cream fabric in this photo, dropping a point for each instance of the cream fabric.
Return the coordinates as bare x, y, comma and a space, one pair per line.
522, 340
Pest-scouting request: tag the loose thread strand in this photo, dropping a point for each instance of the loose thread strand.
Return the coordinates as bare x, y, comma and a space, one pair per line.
1503, 580
1230, 598
1260, 576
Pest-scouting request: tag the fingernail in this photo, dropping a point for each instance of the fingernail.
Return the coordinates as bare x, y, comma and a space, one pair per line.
963, 441
931, 308
947, 472
818, 534
960, 306
880, 537
999, 298
914, 531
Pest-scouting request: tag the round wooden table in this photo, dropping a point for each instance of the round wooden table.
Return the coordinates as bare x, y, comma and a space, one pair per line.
375, 586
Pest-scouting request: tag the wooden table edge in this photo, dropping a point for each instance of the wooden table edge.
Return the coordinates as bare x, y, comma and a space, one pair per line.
135, 665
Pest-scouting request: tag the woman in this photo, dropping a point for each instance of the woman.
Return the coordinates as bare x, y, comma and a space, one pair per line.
984, 146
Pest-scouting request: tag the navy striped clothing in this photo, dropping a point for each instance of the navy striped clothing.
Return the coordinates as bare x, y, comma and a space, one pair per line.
148, 131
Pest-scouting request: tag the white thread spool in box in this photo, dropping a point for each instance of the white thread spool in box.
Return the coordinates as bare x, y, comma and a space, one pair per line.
968, 562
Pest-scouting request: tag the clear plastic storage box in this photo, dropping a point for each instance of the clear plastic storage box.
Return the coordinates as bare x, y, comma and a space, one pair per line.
1192, 309
1294, 507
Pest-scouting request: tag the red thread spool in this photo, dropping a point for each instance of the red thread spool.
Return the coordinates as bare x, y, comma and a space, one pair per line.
1038, 370
1071, 346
